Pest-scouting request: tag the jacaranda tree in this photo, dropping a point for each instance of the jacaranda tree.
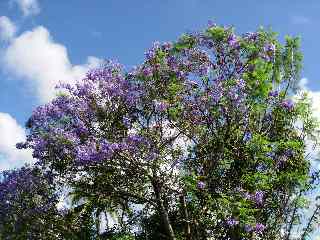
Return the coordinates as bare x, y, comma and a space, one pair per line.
206, 139
28, 205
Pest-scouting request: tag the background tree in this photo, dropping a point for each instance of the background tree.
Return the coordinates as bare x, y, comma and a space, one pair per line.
202, 140
28, 205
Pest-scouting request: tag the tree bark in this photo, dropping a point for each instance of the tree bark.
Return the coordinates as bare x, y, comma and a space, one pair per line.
186, 217
162, 211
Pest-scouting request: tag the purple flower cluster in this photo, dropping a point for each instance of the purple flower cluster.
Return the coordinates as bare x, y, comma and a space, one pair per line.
88, 154
251, 36
160, 106
247, 136
65, 124
258, 197
211, 24
274, 93
233, 41
151, 53
281, 160
271, 155
201, 185
231, 222
269, 52
270, 48
259, 228
22, 188
288, 104
147, 72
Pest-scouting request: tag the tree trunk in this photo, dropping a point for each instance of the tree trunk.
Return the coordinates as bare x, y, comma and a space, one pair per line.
163, 212
185, 214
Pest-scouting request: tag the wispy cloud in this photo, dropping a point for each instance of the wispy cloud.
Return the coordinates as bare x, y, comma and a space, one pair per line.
7, 29
28, 7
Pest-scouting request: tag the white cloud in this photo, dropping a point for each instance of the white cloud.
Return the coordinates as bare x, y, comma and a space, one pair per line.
314, 96
7, 29
303, 83
312, 150
28, 7
35, 57
11, 133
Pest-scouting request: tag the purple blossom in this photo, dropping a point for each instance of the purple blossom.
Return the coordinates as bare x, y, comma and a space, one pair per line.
18, 189
204, 70
281, 161
258, 198
247, 136
232, 222
160, 106
271, 155
132, 97
156, 45
201, 185
62, 85
261, 167
150, 54
259, 228
241, 83
247, 195
270, 48
180, 74
288, 104
274, 93
39, 147
106, 149
251, 36
216, 94
152, 156
166, 46
248, 228
289, 153
147, 71
133, 141
87, 154
234, 93
79, 127
126, 121
233, 41
211, 24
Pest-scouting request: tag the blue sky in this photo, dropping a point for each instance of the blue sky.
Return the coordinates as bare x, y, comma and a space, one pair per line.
43, 41
124, 29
